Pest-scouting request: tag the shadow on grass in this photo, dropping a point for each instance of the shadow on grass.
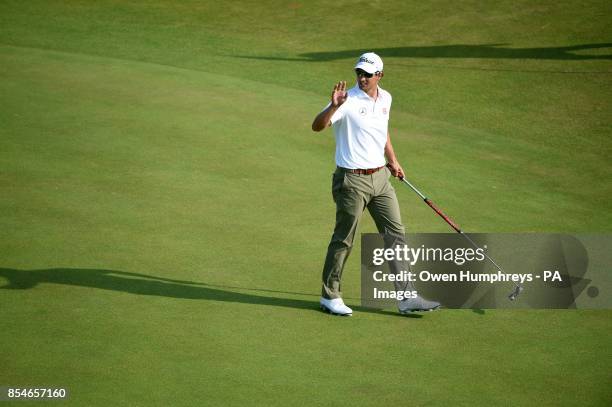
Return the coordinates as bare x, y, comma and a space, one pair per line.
485, 51
142, 284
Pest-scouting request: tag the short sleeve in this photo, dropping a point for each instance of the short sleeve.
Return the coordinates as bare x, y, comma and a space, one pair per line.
338, 114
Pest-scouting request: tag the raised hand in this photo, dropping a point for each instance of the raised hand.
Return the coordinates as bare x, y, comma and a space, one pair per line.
338, 96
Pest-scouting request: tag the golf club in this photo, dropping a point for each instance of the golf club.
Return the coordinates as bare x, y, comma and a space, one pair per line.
517, 289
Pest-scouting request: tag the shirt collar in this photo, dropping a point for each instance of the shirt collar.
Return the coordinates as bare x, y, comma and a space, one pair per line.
362, 95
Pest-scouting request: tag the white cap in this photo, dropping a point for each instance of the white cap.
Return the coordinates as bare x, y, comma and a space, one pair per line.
370, 62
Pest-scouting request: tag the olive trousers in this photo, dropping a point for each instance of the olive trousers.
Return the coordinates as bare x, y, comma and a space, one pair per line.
353, 193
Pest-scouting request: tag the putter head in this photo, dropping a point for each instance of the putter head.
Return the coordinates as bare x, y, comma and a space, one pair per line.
515, 293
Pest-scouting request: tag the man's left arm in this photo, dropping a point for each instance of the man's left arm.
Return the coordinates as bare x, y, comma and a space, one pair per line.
392, 163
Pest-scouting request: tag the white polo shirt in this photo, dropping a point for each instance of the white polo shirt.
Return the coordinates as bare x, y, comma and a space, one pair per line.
360, 126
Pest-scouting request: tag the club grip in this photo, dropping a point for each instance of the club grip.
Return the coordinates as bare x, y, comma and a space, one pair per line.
442, 215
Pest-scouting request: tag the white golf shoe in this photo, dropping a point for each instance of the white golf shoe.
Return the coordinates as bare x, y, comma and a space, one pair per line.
335, 306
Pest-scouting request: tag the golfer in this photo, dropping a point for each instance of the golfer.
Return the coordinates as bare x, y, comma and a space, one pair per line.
365, 161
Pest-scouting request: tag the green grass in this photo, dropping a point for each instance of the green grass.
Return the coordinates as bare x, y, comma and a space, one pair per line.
165, 208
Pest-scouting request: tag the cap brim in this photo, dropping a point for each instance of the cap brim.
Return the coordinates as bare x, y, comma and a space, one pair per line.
366, 67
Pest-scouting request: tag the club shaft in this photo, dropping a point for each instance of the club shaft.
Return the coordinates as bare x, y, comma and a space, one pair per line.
483, 252
436, 209
452, 224
413, 188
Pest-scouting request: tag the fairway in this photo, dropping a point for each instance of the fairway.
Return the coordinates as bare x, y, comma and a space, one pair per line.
165, 207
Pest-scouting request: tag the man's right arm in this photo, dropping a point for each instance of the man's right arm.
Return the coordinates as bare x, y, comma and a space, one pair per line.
323, 119
338, 97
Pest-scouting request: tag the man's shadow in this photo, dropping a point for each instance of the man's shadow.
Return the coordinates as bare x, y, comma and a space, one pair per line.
142, 284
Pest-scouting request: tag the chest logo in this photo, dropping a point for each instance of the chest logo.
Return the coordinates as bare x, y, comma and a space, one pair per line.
363, 111
385, 110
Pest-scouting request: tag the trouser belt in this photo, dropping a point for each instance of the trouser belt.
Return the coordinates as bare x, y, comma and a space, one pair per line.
363, 171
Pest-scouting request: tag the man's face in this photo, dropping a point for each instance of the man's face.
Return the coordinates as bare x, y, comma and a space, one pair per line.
366, 81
